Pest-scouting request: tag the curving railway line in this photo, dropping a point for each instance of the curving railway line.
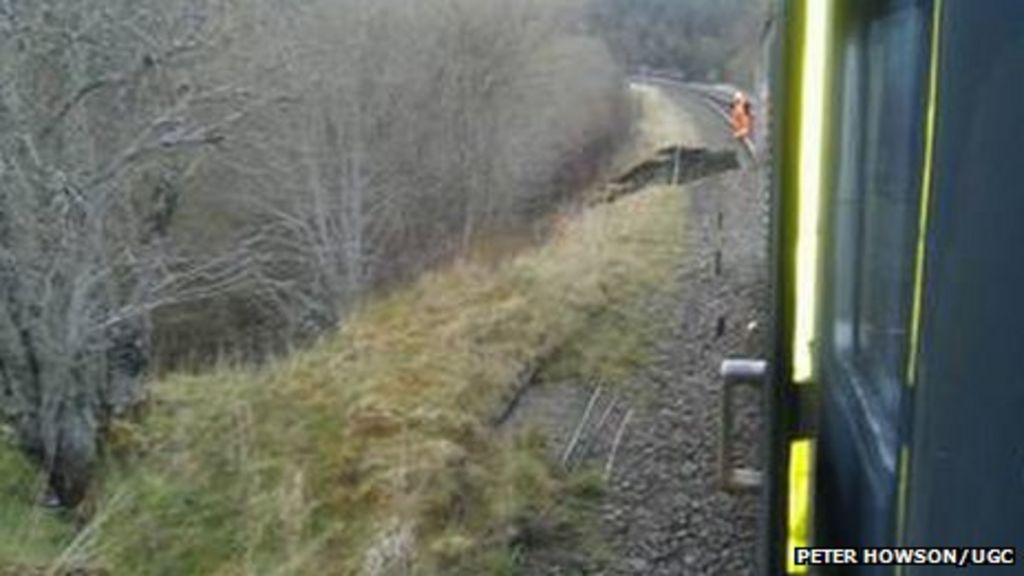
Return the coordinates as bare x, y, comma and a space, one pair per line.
656, 439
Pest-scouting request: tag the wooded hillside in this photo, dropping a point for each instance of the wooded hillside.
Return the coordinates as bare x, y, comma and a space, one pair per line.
189, 178
708, 40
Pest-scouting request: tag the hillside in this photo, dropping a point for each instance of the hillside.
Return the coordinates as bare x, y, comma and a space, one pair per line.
374, 451
707, 40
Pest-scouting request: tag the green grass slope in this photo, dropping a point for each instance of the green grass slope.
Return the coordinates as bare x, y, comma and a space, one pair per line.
373, 453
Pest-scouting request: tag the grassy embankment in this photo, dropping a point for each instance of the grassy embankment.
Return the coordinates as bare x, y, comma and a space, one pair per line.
373, 452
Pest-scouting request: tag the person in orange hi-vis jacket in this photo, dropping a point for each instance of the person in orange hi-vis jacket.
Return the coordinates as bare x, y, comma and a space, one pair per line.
741, 116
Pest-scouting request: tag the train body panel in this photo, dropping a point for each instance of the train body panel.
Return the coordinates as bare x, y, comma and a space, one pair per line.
966, 474
899, 255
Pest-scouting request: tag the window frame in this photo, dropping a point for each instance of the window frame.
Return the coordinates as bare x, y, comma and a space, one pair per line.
860, 389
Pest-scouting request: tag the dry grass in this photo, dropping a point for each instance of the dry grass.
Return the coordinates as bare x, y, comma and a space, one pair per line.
659, 123
372, 453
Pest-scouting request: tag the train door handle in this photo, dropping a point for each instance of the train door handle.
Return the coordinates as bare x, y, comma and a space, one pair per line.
735, 373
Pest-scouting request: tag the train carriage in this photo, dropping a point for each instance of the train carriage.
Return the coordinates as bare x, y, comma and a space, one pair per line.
895, 382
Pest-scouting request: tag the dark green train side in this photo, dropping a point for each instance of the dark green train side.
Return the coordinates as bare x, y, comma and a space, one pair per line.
897, 377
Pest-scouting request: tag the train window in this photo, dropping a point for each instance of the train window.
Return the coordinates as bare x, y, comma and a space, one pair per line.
877, 202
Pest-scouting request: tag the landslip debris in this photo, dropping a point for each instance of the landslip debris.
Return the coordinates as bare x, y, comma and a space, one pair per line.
671, 165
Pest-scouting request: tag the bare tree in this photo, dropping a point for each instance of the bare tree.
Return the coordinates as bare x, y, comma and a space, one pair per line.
418, 128
204, 167
99, 127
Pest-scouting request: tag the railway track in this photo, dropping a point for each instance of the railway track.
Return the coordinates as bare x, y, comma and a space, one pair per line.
655, 437
668, 513
717, 97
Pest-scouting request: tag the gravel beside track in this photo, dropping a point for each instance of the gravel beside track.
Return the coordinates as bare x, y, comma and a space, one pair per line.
665, 513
